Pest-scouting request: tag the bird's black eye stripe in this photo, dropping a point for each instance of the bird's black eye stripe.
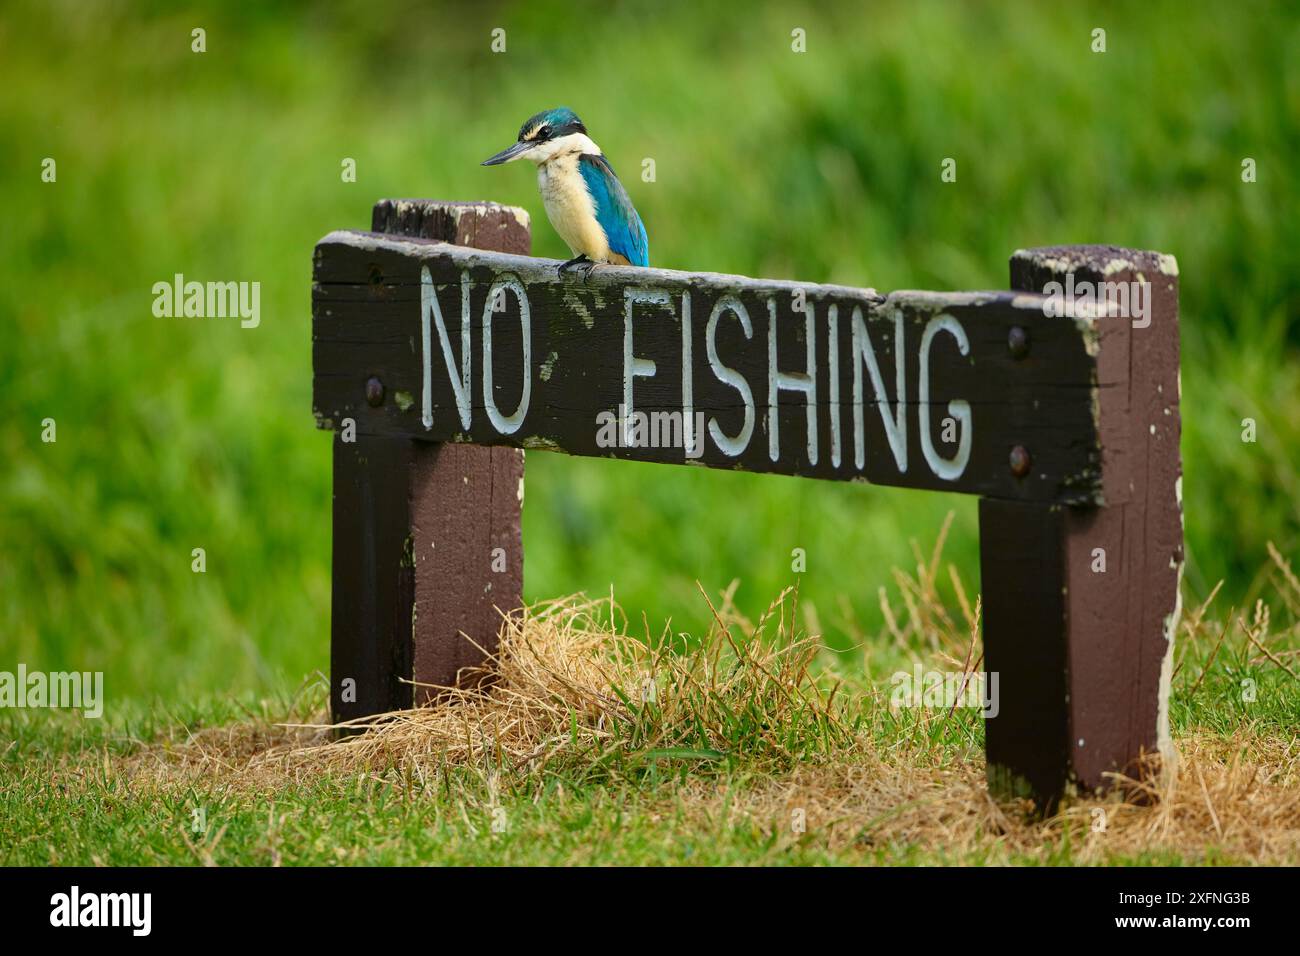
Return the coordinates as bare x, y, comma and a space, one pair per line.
539, 135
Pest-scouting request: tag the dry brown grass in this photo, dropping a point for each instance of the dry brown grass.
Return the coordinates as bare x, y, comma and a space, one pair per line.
1234, 800
566, 686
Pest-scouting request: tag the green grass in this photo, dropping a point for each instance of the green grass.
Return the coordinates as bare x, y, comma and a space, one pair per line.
60, 804
755, 749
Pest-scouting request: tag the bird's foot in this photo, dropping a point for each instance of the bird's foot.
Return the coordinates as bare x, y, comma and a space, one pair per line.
581, 263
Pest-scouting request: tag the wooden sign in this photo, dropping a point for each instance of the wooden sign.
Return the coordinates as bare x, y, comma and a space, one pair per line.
1050, 402
971, 392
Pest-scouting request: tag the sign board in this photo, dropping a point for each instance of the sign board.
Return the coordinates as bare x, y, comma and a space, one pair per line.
975, 392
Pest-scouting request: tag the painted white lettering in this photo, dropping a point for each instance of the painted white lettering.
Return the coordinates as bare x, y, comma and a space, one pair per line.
949, 469
634, 367
459, 376
507, 424
805, 381
895, 427
731, 446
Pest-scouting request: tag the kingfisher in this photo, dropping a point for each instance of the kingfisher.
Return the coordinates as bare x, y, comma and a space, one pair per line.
584, 200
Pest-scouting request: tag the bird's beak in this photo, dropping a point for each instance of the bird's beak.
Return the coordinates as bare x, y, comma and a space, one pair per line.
506, 155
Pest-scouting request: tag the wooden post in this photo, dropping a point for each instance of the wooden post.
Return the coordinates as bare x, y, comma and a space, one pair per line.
1081, 602
427, 545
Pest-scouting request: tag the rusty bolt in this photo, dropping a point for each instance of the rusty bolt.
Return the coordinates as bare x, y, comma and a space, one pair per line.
1020, 461
374, 392
1018, 342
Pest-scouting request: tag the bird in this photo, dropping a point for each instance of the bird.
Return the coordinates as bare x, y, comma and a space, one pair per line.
584, 200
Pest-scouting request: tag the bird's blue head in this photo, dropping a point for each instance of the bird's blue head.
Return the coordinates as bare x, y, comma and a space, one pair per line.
539, 136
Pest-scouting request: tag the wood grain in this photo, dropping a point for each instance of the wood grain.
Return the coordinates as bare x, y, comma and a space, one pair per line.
367, 320
428, 555
1085, 641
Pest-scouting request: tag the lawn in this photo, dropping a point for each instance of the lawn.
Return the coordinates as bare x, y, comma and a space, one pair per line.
748, 744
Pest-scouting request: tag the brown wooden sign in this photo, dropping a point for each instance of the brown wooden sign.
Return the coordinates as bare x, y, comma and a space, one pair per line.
437, 341
971, 392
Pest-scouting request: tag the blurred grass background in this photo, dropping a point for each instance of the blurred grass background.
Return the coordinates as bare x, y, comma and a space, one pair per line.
823, 166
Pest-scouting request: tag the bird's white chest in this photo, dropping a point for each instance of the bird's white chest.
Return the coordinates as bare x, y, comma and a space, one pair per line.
570, 208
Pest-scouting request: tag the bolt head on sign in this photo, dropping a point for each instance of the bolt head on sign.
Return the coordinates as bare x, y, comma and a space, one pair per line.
1018, 342
1020, 461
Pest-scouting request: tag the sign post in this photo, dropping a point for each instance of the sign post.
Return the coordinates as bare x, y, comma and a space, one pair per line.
427, 548
1081, 605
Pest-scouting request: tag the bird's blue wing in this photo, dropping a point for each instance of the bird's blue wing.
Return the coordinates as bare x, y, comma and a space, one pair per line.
614, 210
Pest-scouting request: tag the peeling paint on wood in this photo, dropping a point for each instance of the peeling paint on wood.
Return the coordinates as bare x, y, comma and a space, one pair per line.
1085, 656
785, 377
